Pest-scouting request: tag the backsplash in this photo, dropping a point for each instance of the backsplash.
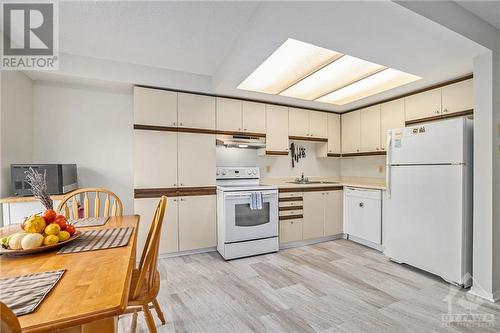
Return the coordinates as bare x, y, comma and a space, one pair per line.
363, 166
280, 166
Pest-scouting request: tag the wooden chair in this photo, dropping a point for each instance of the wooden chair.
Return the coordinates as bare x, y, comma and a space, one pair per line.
8, 322
116, 208
145, 283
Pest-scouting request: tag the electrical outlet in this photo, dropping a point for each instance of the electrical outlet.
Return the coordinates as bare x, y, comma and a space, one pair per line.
380, 168
268, 169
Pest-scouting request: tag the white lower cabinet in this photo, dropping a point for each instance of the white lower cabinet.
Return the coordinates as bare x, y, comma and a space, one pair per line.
314, 216
169, 240
290, 231
197, 222
333, 213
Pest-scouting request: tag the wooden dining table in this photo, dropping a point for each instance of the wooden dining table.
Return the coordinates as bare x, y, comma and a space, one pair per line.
93, 290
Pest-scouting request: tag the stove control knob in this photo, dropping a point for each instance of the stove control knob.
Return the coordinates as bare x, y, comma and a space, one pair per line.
223, 172
217, 172
254, 171
249, 171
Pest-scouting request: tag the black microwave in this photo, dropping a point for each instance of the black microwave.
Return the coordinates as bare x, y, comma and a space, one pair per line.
61, 178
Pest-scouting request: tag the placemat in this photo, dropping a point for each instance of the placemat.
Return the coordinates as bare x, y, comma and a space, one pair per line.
22, 294
100, 239
90, 221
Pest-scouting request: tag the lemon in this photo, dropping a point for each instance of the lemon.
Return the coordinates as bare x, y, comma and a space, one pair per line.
50, 240
63, 235
52, 229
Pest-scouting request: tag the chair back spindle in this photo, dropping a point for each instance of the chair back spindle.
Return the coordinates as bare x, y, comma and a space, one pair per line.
69, 205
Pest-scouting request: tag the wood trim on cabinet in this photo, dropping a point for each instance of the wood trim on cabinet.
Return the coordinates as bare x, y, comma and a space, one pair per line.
173, 191
291, 208
289, 198
435, 86
367, 153
307, 138
174, 129
276, 152
333, 155
290, 217
443, 116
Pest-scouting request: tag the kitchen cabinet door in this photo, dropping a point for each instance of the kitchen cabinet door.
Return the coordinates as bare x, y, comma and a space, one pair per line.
423, 105
298, 122
196, 111
318, 124
155, 107
314, 214
197, 222
351, 132
334, 134
254, 117
458, 97
155, 159
276, 128
169, 239
392, 115
196, 159
333, 213
370, 128
290, 231
229, 114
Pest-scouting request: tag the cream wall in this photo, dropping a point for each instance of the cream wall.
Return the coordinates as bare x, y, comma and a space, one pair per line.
16, 124
90, 126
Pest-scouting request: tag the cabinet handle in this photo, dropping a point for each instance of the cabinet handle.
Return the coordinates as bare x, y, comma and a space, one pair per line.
174, 185
182, 199
357, 150
445, 111
173, 124
245, 129
377, 148
361, 204
181, 184
437, 111
180, 124
239, 129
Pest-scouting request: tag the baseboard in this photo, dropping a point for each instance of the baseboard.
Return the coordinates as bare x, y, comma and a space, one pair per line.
364, 242
310, 241
490, 297
186, 253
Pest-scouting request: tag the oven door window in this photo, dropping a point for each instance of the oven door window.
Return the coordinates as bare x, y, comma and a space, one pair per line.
246, 217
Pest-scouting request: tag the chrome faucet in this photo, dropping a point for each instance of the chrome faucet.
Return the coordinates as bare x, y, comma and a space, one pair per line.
302, 179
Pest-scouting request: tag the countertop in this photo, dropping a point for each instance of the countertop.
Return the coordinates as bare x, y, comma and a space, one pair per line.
56, 197
364, 182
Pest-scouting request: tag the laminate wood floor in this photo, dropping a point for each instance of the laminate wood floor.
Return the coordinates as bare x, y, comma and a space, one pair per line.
336, 286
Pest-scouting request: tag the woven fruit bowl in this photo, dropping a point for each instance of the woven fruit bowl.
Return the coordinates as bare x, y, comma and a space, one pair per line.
39, 249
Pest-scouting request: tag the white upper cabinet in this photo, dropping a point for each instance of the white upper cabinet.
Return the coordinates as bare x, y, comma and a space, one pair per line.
229, 114
423, 105
196, 159
155, 159
370, 128
392, 115
458, 97
155, 107
254, 117
351, 132
298, 122
333, 121
276, 128
196, 111
318, 127
307, 123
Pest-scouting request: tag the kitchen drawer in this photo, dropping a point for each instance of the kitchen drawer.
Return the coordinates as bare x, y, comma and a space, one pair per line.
290, 231
290, 194
290, 212
297, 203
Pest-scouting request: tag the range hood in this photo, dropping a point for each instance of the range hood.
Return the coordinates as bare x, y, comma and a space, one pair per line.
241, 141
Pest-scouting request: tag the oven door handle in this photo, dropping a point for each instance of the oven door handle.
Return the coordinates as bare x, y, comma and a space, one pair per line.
248, 195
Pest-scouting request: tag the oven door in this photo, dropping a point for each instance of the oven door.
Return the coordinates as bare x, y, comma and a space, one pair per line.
243, 223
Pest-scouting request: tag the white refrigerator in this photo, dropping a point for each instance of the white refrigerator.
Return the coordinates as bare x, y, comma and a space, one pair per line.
428, 203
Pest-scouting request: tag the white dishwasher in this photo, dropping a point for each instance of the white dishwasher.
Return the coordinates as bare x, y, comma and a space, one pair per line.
363, 216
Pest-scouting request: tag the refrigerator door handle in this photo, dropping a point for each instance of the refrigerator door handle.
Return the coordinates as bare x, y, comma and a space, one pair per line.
388, 164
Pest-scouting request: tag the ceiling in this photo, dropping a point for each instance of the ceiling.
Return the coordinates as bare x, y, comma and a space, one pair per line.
226, 41
488, 11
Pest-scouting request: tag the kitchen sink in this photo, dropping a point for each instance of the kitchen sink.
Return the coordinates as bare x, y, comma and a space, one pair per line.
302, 182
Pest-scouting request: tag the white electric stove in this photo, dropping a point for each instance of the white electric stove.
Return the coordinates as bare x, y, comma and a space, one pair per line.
242, 231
